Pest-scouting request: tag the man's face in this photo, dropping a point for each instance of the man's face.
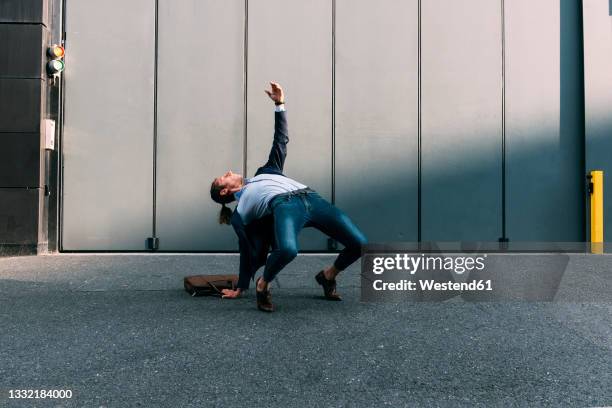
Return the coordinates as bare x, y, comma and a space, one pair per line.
230, 182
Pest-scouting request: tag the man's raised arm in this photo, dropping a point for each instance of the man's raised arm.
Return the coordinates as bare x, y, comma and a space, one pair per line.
276, 159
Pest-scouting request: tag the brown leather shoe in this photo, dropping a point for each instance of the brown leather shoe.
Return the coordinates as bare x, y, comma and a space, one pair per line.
329, 287
264, 300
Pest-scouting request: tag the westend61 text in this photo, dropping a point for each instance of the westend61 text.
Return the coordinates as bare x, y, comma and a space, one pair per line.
428, 285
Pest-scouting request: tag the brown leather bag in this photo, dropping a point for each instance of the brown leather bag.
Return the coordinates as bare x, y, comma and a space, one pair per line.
209, 285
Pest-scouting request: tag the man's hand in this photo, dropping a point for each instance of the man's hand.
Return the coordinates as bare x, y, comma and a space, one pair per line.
230, 294
276, 93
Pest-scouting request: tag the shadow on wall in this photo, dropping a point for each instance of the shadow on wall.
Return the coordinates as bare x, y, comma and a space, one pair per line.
545, 196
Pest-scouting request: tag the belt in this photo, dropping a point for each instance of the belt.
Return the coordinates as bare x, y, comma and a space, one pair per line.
301, 191
296, 192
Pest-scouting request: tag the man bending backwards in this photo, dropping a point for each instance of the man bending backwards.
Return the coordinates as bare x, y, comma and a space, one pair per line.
273, 208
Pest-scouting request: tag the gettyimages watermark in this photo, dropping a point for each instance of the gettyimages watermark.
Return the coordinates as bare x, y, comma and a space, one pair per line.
478, 272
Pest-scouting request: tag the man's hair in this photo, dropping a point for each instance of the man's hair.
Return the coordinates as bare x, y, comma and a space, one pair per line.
215, 193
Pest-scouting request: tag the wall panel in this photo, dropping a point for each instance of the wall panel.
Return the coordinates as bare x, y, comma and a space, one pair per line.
108, 128
200, 118
290, 42
461, 120
376, 136
544, 126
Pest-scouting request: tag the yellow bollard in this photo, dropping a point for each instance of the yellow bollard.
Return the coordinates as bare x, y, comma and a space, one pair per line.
597, 232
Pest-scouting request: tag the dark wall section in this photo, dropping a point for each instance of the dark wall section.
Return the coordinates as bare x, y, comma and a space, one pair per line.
22, 49
24, 11
19, 217
20, 104
20, 161
24, 28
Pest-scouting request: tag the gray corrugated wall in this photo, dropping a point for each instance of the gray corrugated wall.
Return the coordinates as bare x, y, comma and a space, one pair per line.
399, 111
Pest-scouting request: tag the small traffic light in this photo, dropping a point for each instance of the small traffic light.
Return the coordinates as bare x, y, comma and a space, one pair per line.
55, 66
56, 51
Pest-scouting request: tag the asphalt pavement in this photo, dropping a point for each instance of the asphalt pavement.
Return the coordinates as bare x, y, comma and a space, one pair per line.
118, 330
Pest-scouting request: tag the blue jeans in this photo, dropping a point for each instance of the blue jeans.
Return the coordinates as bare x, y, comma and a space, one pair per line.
296, 210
